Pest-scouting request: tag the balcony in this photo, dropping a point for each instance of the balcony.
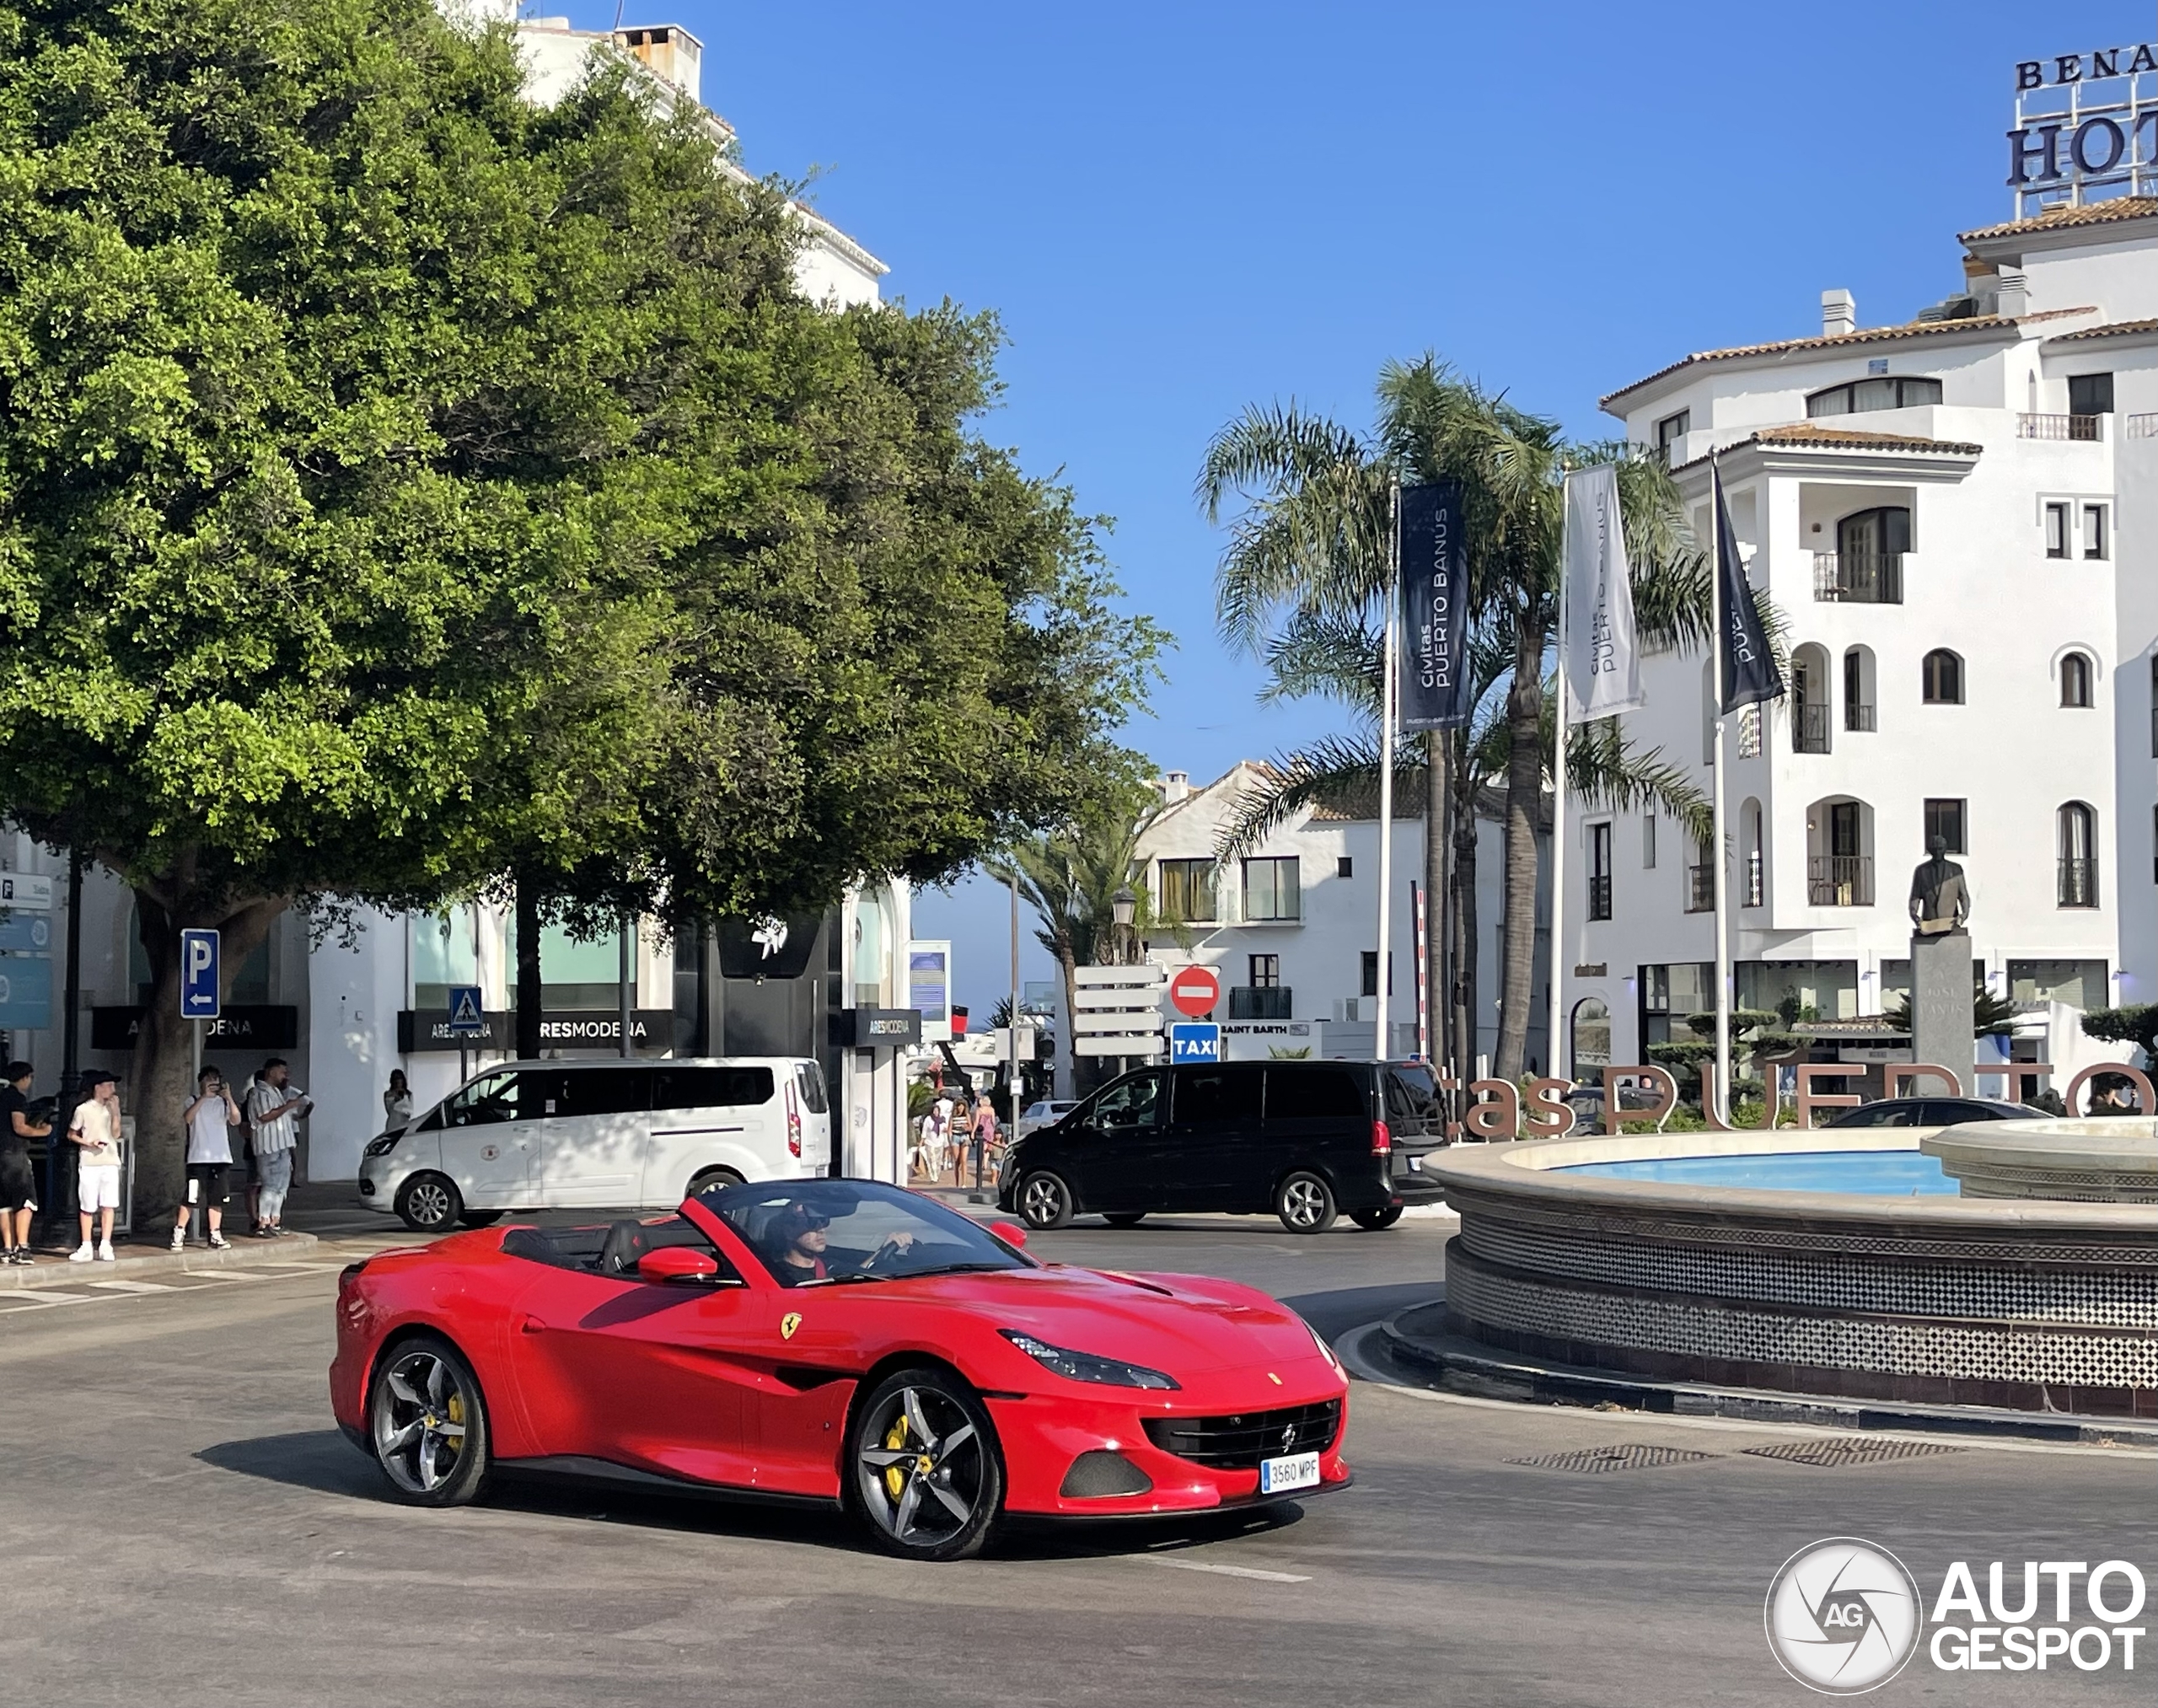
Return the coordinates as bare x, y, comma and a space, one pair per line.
1809, 728
2089, 428
1840, 880
1858, 577
1858, 715
1755, 885
1701, 888
1599, 895
2079, 882
1260, 1002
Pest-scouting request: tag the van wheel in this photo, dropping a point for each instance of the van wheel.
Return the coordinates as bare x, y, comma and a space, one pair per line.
711, 1180
1376, 1220
1123, 1218
428, 1203
1045, 1201
1304, 1203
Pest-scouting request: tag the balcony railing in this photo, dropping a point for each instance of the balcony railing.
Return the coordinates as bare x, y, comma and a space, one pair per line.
2088, 428
1840, 880
1755, 887
2140, 427
1260, 1002
1599, 895
1858, 715
1700, 888
1858, 577
2079, 882
1809, 728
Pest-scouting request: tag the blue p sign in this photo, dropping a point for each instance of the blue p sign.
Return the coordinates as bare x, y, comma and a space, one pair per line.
198, 975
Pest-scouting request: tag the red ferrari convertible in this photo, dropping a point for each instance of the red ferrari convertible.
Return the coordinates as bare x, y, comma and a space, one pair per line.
834, 1341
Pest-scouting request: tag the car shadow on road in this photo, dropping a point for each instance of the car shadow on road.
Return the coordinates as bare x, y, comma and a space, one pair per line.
319, 1459
1335, 1314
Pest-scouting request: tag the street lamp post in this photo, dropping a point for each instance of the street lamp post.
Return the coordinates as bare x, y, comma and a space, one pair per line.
1123, 906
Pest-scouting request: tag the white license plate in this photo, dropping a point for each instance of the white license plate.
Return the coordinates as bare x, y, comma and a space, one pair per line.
1415, 1165
1295, 1471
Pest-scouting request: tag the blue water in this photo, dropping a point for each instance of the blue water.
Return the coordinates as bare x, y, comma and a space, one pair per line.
1882, 1173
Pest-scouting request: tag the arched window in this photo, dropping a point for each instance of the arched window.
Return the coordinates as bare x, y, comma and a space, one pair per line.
1592, 1041
1942, 678
1810, 703
1858, 689
2077, 835
2075, 679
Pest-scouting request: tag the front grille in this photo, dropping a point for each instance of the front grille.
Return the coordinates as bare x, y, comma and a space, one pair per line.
1239, 1442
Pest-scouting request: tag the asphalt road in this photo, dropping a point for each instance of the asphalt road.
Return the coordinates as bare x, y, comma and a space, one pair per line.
180, 1524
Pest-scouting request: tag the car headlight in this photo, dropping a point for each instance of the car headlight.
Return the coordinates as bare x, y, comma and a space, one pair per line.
1327, 1352
385, 1145
1085, 1367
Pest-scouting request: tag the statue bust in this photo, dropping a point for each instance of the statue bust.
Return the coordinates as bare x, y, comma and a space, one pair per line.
1940, 899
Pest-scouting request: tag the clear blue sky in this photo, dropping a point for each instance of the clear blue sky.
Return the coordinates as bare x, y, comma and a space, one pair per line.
1179, 209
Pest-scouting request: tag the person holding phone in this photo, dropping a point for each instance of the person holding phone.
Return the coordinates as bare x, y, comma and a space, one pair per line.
17, 1183
95, 1131
209, 1119
273, 1111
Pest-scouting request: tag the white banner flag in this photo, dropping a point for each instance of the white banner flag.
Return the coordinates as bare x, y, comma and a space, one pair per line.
1602, 665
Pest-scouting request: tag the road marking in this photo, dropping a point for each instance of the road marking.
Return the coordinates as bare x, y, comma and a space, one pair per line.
128, 1286
46, 1297
1222, 1570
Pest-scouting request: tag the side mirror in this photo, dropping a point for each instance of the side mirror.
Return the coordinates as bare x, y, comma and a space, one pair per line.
677, 1263
1011, 1233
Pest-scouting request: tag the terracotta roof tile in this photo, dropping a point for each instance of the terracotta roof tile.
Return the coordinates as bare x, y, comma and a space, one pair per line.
2065, 214
2113, 329
1818, 435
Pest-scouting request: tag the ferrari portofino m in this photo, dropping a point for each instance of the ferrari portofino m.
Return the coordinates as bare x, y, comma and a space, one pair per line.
837, 1342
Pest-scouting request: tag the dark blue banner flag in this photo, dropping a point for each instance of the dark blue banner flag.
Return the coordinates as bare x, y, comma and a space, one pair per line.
1746, 669
1435, 692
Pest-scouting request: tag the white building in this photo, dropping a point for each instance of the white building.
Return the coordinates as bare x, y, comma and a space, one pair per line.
1290, 927
1955, 519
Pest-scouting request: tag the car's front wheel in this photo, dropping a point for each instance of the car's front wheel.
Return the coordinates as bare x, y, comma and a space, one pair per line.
1304, 1203
428, 1203
927, 1478
1044, 1200
1375, 1221
428, 1424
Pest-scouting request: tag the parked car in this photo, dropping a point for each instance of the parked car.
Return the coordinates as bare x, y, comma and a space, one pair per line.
1304, 1139
619, 1135
1046, 1113
1933, 1112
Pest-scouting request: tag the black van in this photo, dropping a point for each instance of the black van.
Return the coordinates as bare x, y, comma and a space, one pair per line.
1304, 1139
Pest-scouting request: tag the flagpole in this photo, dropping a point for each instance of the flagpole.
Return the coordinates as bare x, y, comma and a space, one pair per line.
1380, 1051
1555, 1007
1721, 1096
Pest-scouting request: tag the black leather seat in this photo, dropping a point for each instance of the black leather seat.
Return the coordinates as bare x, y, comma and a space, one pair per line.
629, 1239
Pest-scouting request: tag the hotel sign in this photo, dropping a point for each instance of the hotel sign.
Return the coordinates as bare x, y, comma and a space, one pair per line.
2086, 127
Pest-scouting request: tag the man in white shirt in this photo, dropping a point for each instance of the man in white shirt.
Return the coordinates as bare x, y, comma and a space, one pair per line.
95, 1129
273, 1110
210, 1119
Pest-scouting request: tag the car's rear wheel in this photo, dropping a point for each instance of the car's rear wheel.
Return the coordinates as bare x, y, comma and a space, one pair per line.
1304, 1203
927, 1478
428, 1203
428, 1424
480, 1218
1043, 1200
1376, 1220
711, 1180
1123, 1218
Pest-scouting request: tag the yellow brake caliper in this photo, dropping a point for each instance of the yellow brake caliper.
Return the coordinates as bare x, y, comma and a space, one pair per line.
456, 1412
895, 1438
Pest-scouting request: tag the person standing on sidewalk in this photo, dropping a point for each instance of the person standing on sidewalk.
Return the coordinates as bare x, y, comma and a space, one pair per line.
17, 1182
273, 1108
210, 1120
95, 1129
985, 1133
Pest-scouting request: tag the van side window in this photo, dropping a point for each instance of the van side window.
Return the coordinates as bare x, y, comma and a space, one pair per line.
1312, 1094
1217, 1096
601, 1091
809, 1079
710, 1087
486, 1102
1135, 1103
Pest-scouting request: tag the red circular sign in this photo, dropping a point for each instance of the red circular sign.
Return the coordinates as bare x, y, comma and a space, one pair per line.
1195, 990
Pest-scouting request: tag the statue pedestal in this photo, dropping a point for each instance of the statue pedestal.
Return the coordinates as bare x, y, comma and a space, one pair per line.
1943, 1009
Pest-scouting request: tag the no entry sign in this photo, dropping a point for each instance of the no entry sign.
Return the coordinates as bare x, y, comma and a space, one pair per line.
1195, 992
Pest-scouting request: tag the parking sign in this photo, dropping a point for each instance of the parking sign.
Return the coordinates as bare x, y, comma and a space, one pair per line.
198, 975
1194, 1043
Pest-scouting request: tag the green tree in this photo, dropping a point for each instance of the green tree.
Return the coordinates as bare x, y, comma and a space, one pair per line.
2137, 1024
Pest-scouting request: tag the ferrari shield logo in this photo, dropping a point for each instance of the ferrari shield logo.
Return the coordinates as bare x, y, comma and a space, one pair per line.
788, 1324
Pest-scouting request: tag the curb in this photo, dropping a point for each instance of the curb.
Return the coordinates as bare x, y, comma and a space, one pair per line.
254, 1254
1462, 1365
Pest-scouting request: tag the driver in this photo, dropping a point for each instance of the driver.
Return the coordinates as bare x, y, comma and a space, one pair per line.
799, 1238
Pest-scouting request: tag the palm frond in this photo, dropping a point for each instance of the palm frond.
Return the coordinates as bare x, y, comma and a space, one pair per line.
1341, 772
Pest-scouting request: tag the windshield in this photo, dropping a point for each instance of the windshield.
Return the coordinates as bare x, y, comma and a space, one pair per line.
808, 1233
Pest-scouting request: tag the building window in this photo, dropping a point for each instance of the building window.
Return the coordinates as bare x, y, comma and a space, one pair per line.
1670, 429
1749, 732
1592, 1041
2091, 394
1369, 974
2078, 837
1271, 890
1862, 395
1858, 690
1266, 973
1947, 819
2056, 530
1346, 867
2079, 984
2075, 679
1186, 889
2095, 542
1648, 841
1943, 677
1599, 870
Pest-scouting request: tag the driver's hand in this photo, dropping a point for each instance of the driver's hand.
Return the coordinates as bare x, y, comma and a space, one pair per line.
900, 1242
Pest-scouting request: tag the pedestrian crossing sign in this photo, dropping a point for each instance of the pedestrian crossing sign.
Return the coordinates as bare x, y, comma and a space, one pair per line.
466, 1018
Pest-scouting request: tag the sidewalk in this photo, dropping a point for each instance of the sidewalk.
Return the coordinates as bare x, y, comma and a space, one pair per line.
132, 1260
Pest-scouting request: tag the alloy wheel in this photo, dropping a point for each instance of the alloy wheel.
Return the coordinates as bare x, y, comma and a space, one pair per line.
422, 1412
429, 1204
1043, 1201
1305, 1201
921, 1468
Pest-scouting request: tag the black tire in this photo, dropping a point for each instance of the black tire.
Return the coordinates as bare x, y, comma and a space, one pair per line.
1123, 1218
1304, 1203
1376, 1220
924, 1474
711, 1180
1043, 1200
428, 1203
480, 1218
426, 1422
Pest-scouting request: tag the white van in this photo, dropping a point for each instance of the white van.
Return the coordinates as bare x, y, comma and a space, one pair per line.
601, 1133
